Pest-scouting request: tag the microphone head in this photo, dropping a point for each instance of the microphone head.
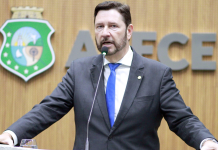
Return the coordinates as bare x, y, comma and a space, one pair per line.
104, 50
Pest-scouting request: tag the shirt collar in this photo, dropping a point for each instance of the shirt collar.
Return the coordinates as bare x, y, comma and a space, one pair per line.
126, 60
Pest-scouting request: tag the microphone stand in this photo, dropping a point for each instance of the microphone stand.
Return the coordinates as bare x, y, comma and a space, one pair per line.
90, 114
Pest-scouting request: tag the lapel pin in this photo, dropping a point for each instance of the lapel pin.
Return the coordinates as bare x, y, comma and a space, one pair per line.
139, 77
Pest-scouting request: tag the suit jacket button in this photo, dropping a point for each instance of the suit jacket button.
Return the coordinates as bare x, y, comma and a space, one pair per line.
110, 138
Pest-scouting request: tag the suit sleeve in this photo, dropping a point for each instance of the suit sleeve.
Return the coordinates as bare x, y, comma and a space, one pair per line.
50, 109
178, 116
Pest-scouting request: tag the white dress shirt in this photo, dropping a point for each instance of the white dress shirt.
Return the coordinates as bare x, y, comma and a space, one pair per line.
122, 74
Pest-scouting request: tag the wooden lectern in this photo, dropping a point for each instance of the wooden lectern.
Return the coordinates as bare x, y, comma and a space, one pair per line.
7, 147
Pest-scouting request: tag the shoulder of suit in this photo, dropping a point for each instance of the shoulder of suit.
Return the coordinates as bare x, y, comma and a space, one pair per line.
151, 63
85, 60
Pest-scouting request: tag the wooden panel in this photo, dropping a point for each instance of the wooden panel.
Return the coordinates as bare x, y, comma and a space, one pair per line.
198, 88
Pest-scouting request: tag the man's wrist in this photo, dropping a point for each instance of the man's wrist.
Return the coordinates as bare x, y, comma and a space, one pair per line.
207, 139
13, 135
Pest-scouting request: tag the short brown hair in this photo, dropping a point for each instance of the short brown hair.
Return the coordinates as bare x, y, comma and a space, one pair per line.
123, 9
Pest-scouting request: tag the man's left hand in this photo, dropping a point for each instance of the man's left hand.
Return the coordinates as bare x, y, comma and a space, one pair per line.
210, 145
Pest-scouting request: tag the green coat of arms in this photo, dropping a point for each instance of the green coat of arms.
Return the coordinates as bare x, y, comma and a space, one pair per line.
26, 50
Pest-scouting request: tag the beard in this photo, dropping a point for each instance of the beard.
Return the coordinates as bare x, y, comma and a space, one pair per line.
118, 46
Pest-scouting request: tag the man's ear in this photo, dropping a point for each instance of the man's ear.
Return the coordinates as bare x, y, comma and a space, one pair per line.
129, 31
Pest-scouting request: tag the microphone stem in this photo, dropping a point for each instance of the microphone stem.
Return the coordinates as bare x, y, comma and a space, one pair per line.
90, 114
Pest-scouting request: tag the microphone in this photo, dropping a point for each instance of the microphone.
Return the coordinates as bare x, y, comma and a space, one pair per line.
104, 51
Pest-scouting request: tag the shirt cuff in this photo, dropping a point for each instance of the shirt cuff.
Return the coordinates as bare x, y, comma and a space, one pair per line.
13, 136
207, 139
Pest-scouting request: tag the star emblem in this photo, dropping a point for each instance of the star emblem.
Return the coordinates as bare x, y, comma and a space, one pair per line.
26, 71
9, 34
35, 67
5, 54
7, 45
16, 67
8, 62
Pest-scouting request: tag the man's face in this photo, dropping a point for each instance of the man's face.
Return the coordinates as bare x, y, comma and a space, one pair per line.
110, 31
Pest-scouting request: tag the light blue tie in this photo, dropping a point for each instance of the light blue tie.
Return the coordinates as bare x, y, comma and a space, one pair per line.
110, 92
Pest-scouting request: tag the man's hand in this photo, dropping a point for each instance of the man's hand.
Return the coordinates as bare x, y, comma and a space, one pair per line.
6, 138
210, 145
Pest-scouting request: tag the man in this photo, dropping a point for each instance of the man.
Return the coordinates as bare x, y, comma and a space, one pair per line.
144, 94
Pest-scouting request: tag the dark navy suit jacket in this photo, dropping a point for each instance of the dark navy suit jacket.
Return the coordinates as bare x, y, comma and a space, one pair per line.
146, 101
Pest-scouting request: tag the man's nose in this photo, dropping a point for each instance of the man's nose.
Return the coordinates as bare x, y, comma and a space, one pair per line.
106, 31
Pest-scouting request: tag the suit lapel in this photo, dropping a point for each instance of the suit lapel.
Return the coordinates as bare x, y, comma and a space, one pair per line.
134, 81
100, 97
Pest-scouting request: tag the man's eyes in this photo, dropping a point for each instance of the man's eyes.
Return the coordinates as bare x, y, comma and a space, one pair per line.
113, 26
99, 27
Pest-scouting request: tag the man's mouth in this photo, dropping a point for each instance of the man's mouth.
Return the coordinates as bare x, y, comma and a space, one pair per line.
106, 43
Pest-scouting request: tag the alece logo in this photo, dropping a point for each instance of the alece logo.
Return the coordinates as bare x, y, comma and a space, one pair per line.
26, 50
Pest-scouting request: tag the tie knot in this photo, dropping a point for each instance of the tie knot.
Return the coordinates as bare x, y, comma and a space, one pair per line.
113, 66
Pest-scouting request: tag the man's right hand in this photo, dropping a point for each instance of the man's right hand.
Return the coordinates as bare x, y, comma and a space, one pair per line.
6, 138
